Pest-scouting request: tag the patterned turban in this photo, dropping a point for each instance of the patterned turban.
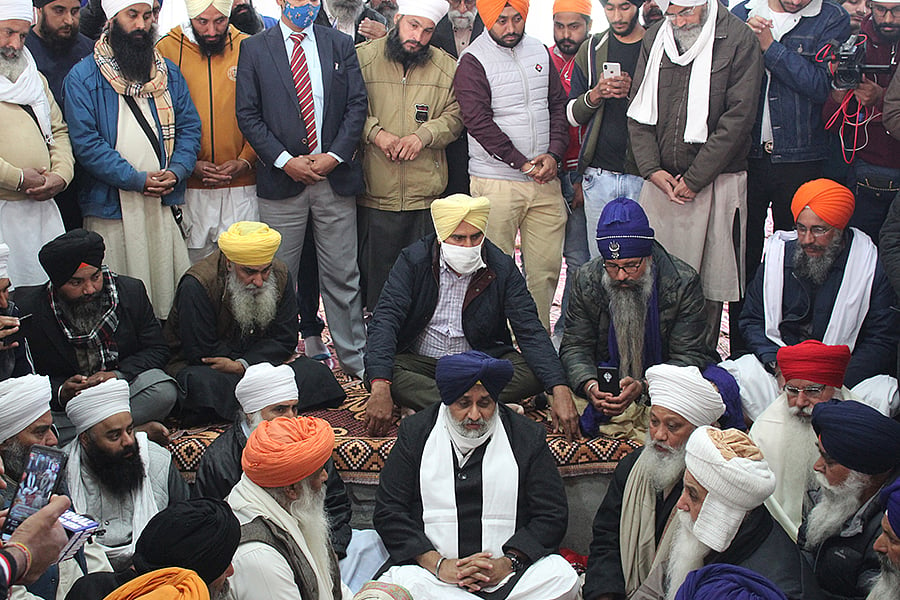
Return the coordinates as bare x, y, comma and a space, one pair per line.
286, 450
64, 255
196, 7
814, 361
457, 373
377, 590
98, 403
624, 231
684, 391
727, 582
447, 213
857, 436
831, 201
250, 243
23, 400
165, 584
582, 7
490, 9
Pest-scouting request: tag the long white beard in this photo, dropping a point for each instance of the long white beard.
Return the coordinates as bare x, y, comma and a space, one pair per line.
836, 504
887, 585
799, 440
666, 468
253, 308
462, 20
686, 555
309, 511
12, 66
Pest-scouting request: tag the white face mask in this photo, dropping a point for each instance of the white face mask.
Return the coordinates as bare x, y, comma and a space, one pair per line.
464, 260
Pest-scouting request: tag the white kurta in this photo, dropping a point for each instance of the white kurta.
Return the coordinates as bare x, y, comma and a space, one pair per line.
25, 226
210, 212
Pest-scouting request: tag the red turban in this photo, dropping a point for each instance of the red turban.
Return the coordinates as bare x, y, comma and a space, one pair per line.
491, 9
582, 7
814, 361
831, 201
285, 450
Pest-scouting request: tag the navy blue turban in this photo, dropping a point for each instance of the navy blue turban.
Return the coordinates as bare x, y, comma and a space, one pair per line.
890, 499
623, 230
731, 395
857, 436
727, 582
456, 374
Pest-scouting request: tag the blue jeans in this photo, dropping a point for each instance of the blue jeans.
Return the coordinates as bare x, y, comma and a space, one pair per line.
600, 186
575, 249
874, 188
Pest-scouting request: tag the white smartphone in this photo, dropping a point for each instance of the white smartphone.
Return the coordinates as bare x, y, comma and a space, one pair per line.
611, 69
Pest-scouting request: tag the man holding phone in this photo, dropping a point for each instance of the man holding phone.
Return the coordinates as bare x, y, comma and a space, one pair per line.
15, 359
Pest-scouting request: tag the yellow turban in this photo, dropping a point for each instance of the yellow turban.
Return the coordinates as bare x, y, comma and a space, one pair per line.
165, 584
491, 9
250, 243
196, 7
447, 213
582, 7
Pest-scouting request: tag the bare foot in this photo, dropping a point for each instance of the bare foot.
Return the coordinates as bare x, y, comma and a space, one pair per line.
156, 431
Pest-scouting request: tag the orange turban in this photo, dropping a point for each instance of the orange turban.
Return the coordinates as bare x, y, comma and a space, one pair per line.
582, 7
491, 9
165, 584
285, 450
831, 201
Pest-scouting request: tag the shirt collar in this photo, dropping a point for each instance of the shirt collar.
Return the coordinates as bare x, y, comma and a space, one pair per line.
286, 33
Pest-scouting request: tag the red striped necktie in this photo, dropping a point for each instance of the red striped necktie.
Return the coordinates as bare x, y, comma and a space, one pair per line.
304, 90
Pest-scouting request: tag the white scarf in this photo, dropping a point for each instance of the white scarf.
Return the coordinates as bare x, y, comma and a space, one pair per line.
645, 105
142, 499
250, 500
29, 89
851, 303
500, 487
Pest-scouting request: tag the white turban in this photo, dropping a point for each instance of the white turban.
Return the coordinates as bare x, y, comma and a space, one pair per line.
664, 4
113, 7
683, 390
4, 261
22, 10
430, 9
23, 400
97, 403
264, 385
196, 7
736, 476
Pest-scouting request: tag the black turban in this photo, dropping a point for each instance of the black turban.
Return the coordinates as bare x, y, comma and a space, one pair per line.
456, 374
201, 534
857, 436
64, 255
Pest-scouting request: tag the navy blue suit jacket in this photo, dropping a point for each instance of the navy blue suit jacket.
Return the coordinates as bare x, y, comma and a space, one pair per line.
268, 111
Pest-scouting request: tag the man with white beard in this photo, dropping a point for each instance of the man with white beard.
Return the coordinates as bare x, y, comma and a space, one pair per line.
632, 307
859, 453
285, 552
641, 496
887, 547
721, 519
233, 309
354, 18
458, 28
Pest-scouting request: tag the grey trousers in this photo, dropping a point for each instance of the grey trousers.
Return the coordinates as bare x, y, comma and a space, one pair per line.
413, 385
334, 229
153, 395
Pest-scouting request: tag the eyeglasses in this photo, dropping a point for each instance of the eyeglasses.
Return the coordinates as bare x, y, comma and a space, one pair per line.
881, 11
816, 231
812, 391
614, 269
683, 14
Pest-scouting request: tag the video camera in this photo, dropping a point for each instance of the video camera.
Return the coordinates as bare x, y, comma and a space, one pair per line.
851, 63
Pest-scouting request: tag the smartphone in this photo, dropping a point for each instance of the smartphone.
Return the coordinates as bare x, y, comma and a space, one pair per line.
18, 336
608, 380
39, 480
611, 69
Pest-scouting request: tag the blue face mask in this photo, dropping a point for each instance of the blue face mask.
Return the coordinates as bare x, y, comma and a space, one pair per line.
301, 16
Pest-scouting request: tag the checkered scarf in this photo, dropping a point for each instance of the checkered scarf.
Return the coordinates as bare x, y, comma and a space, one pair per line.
157, 88
102, 338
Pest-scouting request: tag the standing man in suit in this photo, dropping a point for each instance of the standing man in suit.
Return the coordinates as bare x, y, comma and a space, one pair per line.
301, 103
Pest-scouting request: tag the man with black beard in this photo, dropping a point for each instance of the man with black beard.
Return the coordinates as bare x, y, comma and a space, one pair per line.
859, 454
823, 281
222, 188
651, 13
55, 41
247, 19
887, 547
632, 307
90, 324
631, 521
413, 116
233, 309
115, 474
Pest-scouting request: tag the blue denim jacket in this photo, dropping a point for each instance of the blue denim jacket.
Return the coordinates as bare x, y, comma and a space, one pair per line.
92, 113
800, 84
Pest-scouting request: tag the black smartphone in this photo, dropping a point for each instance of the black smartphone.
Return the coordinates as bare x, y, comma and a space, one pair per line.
608, 378
18, 336
39, 480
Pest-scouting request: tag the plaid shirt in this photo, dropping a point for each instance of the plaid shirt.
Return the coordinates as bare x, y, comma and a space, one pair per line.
444, 333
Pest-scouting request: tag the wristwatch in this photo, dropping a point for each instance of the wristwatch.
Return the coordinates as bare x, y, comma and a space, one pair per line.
515, 562
559, 164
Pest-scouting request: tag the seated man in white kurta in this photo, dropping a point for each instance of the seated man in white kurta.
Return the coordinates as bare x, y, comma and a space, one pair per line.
486, 512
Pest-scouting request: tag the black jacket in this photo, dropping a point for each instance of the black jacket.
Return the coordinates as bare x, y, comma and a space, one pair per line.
889, 246
444, 39
541, 514
139, 336
220, 469
496, 299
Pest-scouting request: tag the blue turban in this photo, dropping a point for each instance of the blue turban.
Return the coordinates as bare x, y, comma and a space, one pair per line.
857, 436
456, 374
624, 230
731, 396
890, 499
727, 582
